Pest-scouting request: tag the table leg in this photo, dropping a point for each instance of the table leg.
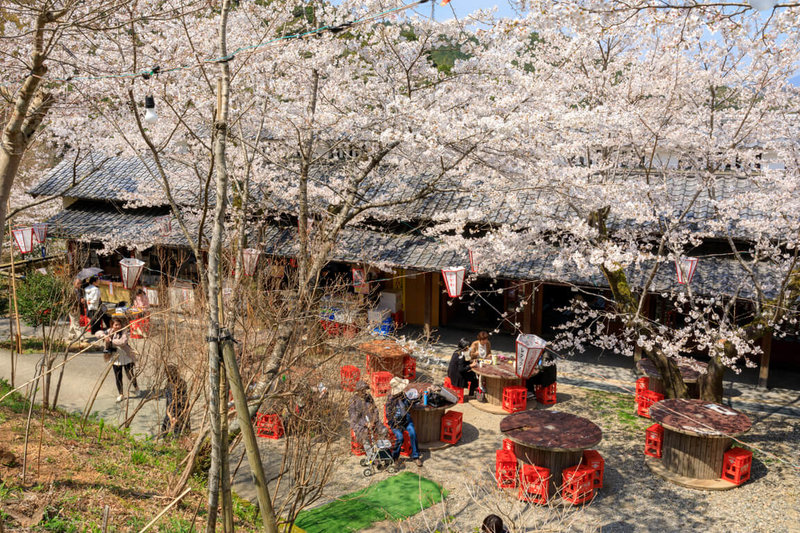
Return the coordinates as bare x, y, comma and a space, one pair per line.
694, 457
555, 461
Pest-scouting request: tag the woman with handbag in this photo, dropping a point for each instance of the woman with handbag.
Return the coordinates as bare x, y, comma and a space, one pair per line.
116, 343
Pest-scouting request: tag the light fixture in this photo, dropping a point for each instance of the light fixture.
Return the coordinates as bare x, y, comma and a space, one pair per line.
453, 280
250, 259
23, 237
685, 267
150, 115
529, 350
131, 269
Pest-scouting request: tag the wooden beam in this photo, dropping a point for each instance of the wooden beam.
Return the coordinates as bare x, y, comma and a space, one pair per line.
428, 302
763, 371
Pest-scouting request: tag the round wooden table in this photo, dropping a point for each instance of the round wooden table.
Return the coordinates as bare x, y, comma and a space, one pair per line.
427, 419
495, 378
551, 439
690, 372
384, 356
696, 436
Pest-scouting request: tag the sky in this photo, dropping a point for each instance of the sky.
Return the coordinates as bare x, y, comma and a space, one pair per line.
465, 7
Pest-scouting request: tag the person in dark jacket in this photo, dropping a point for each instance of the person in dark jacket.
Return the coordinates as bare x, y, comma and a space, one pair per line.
545, 376
460, 368
363, 414
398, 417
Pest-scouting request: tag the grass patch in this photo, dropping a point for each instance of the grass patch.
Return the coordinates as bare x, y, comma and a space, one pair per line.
34, 345
619, 407
16, 403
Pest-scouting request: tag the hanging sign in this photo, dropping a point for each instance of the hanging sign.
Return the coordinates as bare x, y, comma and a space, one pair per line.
529, 351
685, 267
360, 284
131, 269
251, 256
23, 237
453, 280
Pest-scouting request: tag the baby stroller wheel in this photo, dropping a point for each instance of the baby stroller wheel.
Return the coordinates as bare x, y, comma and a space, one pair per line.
363, 462
391, 469
367, 472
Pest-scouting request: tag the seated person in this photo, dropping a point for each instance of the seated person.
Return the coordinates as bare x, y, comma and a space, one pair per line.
460, 368
363, 414
398, 417
546, 375
481, 348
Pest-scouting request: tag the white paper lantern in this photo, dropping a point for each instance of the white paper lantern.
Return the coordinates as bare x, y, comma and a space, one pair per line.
40, 232
685, 267
360, 285
473, 262
251, 256
453, 280
164, 225
529, 350
24, 239
131, 269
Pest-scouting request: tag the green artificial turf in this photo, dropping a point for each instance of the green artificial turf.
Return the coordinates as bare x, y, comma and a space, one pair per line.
394, 498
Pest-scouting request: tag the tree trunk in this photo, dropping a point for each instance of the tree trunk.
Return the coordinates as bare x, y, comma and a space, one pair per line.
224, 471
710, 384
249, 437
674, 386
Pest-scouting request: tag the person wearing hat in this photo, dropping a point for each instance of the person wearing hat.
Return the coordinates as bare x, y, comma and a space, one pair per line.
460, 368
362, 413
398, 417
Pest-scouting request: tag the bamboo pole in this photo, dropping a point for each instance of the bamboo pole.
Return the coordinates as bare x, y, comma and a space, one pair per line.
14, 286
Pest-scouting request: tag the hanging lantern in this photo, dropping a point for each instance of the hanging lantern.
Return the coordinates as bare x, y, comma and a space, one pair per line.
453, 280
360, 285
24, 239
473, 263
251, 256
40, 232
529, 351
685, 267
131, 270
293, 262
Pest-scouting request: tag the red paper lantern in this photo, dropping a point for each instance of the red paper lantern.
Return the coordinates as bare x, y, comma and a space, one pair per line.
40, 232
131, 269
360, 285
251, 256
529, 351
453, 280
473, 263
23, 237
685, 267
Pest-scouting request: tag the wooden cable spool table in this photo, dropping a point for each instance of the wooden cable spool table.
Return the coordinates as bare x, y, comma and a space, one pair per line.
697, 434
690, 372
494, 379
384, 356
427, 419
552, 439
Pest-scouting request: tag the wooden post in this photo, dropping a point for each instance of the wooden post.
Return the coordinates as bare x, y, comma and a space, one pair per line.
428, 301
763, 371
527, 309
538, 299
106, 512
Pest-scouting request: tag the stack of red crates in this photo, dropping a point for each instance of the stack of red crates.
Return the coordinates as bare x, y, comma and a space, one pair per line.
515, 399
736, 465
594, 460
350, 376
451, 427
653, 437
506, 469
269, 426
578, 484
534, 484
642, 384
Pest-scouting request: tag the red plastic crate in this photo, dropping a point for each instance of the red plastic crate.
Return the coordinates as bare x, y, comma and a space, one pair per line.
409, 367
594, 460
534, 484
508, 444
653, 437
405, 448
355, 447
350, 376
578, 484
506, 469
546, 395
642, 384
269, 426
380, 383
646, 400
451, 427
455, 390
515, 399
736, 465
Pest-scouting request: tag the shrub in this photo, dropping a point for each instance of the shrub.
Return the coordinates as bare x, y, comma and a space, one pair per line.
43, 299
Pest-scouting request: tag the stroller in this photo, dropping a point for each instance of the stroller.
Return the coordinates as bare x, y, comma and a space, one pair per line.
379, 456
